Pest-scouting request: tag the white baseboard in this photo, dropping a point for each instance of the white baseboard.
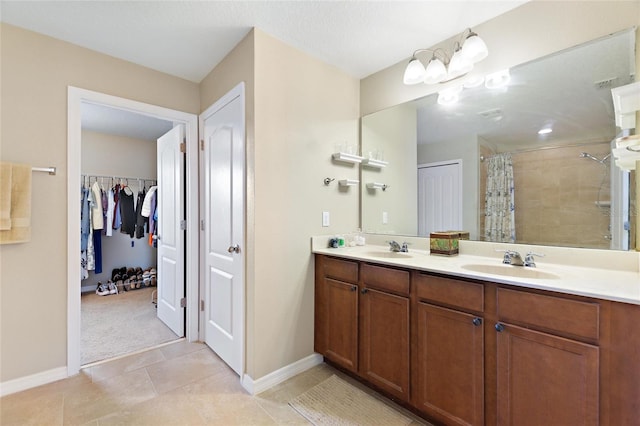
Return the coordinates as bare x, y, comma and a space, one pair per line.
28, 382
254, 387
88, 289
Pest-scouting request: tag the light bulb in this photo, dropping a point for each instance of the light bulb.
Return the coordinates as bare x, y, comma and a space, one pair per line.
435, 72
414, 73
497, 79
449, 96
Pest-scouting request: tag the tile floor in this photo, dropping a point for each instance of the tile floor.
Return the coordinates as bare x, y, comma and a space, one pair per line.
178, 384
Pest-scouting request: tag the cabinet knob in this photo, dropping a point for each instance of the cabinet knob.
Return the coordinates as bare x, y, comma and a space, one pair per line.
354, 288
477, 321
364, 291
499, 327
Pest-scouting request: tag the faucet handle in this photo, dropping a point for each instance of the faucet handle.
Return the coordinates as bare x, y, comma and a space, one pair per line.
530, 261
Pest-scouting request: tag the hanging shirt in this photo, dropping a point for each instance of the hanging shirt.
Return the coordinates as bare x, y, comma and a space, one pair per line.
109, 220
127, 212
141, 221
84, 220
96, 207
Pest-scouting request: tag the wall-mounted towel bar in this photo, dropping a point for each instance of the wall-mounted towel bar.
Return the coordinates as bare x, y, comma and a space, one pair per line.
50, 170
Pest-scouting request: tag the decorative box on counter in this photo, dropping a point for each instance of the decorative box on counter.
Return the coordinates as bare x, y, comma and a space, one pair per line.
446, 242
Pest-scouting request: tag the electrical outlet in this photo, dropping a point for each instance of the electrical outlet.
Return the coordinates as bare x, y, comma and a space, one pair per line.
385, 218
325, 219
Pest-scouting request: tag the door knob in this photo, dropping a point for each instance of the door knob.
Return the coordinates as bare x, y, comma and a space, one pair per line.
234, 249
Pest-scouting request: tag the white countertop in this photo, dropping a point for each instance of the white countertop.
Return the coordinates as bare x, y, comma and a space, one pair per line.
599, 273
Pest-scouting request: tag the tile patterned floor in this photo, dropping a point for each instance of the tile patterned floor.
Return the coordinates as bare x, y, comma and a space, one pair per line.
178, 384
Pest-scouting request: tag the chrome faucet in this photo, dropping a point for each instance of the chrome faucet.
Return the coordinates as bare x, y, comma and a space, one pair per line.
529, 259
395, 247
512, 258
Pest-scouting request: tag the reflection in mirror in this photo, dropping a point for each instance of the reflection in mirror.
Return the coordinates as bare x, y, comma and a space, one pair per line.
553, 122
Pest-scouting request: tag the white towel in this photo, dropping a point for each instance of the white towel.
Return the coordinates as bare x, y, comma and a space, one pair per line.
146, 204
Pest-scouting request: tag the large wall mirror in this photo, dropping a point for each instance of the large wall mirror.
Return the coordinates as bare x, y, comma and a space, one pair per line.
549, 130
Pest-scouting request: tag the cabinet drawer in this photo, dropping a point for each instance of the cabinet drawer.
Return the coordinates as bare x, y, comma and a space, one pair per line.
386, 279
343, 270
451, 292
549, 313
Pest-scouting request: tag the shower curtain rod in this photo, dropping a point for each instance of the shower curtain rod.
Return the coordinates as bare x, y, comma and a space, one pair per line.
522, 151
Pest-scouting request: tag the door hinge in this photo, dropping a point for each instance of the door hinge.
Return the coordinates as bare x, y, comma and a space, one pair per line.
183, 302
202, 225
201, 144
183, 225
183, 147
202, 305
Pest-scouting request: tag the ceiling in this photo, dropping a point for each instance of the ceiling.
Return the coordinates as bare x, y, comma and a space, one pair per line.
188, 38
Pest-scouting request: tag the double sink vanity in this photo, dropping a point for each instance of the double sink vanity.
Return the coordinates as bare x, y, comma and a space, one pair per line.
468, 340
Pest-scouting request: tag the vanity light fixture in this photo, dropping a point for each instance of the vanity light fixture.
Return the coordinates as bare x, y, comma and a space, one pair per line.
442, 66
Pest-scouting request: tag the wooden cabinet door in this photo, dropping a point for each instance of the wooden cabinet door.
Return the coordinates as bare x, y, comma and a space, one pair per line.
384, 348
544, 379
449, 366
341, 323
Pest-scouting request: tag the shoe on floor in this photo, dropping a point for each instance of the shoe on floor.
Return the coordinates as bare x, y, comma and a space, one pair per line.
113, 289
102, 290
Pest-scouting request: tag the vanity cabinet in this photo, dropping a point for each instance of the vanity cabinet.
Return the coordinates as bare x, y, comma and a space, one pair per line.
448, 367
384, 329
336, 315
551, 359
468, 352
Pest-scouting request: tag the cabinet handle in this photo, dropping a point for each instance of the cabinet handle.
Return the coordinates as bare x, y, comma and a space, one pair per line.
499, 327
354, 288
364, 291
477, 321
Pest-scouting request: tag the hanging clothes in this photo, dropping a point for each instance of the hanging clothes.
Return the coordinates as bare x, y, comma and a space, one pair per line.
141, 221
96, 207
117, 220
91, 265
109, 219
84, 219
127, 212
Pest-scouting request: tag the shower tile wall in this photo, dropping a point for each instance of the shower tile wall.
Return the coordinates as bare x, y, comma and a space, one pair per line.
556, 193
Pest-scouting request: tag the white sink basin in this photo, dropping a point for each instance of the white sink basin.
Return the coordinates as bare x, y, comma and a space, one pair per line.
510, 271
389, 254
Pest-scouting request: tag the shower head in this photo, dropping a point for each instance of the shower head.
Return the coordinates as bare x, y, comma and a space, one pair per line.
591, 157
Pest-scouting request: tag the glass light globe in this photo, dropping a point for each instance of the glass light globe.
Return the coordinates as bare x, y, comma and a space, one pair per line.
459, 64
435, 72
474, 48
414, 73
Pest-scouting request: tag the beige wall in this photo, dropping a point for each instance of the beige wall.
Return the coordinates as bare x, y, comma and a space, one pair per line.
394, 131
530, 31
35, 73
303, 107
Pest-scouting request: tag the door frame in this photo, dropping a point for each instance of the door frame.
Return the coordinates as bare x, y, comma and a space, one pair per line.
75, 97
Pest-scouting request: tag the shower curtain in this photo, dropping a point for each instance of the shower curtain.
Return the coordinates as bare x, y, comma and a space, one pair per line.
499, 221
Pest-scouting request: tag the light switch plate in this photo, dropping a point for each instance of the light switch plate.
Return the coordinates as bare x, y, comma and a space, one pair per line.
385, 218
325, 219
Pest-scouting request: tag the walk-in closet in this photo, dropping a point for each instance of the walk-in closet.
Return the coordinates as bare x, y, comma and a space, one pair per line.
119, 219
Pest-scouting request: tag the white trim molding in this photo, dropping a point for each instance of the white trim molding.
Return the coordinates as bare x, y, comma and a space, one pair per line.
28, 382
255, 387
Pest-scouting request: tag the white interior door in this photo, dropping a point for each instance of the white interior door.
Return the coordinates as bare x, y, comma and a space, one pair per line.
170, 236
223, 158
439, 197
